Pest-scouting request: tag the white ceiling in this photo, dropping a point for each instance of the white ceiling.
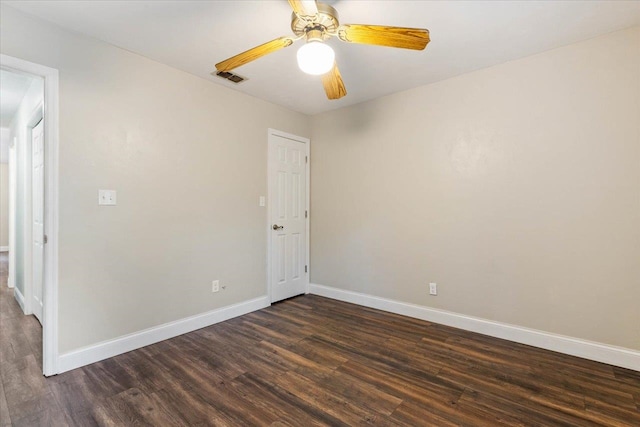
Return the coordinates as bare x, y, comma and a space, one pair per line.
466, 35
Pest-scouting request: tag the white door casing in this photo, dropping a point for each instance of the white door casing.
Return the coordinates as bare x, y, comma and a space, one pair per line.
288, 214
50, 266
13, 159
37, 208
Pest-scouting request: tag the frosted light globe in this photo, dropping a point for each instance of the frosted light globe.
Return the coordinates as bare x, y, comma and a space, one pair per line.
316, 58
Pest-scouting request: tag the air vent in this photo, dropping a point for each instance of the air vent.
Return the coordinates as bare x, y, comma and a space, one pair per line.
230, 76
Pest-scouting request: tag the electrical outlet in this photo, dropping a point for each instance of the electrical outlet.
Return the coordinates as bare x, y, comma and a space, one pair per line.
215, 286
107, 197
433, 289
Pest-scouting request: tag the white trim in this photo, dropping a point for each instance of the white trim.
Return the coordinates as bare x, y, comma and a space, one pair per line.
11, 280
308, 209
613, 355
126, 343
4, 248
51, 137
19, 297
307, 143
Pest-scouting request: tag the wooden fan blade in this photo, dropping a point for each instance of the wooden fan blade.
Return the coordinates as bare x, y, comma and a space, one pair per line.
406, 38
253, 54
333, 84
304, 8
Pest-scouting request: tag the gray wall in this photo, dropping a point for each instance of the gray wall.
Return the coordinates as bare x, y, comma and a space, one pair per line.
515, 188
188, 159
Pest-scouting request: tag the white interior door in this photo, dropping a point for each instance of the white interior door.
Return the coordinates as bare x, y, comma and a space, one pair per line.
37, 189
287, 210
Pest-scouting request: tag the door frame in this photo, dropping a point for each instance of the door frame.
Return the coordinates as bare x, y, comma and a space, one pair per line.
13, 183
271, 133
50, 265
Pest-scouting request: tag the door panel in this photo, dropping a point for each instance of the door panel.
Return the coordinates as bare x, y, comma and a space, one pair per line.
281, 258
37, 189
287, 173
295, 256
282, 201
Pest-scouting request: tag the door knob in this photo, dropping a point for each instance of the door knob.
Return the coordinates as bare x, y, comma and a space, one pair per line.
277, 227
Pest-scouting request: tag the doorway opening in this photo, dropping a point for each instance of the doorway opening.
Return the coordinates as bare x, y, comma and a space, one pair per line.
28, 210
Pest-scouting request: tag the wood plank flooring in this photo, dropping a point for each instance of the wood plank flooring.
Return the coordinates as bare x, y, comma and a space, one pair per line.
312, 361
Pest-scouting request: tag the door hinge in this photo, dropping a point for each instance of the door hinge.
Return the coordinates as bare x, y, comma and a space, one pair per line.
45, 239
306, 214
305, 268
306, 159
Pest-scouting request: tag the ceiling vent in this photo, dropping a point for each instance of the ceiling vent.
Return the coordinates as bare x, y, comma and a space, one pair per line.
230, 76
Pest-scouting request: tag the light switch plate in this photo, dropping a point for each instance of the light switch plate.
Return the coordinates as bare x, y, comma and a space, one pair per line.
107, 197
262, 201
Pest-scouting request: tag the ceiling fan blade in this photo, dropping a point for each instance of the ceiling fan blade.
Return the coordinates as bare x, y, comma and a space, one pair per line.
333, 84
255, 53
304, 8
406, 38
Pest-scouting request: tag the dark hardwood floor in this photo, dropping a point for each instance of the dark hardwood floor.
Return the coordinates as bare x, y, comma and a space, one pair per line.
313, 361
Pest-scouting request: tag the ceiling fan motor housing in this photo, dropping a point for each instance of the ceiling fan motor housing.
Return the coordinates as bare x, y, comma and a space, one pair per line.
320, 28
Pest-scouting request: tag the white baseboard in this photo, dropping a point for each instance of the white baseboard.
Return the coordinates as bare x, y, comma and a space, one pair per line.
4, 248
126, 343
19, 297
618, 356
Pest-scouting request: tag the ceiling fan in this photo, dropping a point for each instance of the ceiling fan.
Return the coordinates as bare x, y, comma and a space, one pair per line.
317, 22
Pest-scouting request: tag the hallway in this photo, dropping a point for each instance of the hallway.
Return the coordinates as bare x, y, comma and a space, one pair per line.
22, 385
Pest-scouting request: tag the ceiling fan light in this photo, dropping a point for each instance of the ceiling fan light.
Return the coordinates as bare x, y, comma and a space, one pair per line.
316, 58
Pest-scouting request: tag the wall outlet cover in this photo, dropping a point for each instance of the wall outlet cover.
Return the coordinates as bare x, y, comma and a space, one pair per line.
433, 289
107, 197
